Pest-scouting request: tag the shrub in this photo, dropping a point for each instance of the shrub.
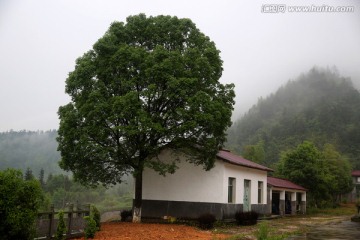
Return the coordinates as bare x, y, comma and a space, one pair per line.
172, 219
125, 214
61, 227
90, 228
96, 216
246, 218
206, 221
21, 199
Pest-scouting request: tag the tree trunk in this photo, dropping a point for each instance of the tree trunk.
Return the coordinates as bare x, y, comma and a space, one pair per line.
138, 197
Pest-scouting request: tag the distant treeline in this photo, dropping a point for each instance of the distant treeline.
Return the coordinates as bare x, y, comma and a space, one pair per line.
28, 149
320, 106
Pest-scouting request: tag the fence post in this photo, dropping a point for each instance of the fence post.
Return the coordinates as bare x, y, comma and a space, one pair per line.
88, 207
51, 217
78, 209
70, 215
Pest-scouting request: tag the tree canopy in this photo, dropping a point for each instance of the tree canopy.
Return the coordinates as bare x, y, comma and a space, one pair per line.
148, 84
326, 174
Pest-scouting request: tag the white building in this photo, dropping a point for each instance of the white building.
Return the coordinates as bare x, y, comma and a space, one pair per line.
234, 184
286, 197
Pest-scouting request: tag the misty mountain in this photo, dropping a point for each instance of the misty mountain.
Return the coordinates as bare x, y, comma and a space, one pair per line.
27, 149
319, 106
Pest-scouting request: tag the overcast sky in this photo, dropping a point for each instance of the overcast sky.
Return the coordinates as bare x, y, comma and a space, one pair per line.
41, 39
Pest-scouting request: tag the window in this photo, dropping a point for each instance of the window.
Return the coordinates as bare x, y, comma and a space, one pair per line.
231, 190
358, 179
260, 192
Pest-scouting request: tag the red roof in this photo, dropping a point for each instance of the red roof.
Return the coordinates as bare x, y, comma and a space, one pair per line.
355, 173
229, 157
283, 183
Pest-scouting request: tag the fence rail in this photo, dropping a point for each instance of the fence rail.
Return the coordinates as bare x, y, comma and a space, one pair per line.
47, 222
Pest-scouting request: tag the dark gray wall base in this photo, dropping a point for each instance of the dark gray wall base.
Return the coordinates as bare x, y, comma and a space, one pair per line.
282, 207
303, 207
293, 207
192, 210
262, 209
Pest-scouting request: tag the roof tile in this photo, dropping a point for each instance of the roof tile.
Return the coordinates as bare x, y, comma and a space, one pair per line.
227, 156
283, 183
355, 173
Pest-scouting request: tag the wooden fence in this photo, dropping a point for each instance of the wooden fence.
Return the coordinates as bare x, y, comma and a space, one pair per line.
47, 222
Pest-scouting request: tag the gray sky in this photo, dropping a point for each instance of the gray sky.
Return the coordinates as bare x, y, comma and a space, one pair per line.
40, 41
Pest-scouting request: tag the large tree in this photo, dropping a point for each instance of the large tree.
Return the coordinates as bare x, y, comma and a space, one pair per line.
340, 169
149, 84
304, 166
326, 174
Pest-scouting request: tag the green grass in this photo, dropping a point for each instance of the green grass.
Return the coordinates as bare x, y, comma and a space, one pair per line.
263, 231
344, 209
267, 234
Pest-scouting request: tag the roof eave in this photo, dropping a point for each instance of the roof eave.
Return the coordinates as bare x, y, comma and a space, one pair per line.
243, 165
300, 189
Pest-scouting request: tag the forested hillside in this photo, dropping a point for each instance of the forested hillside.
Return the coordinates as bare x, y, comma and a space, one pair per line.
320, 106
26, 149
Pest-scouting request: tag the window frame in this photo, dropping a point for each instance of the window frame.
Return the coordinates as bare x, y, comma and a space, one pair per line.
260, 192
231, 189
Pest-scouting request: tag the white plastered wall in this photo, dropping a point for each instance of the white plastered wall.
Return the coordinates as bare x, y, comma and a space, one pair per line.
240, 174
303, 196
189, 183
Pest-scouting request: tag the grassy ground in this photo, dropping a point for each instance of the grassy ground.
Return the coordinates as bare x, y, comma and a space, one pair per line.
281, 228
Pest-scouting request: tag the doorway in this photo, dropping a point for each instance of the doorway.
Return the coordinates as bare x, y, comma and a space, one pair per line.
288, 207
275, 203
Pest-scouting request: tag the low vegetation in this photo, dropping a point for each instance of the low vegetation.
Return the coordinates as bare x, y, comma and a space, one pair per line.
91, 228
341, 210
206, 221
95, 214
60, 233
246, 218
125, 215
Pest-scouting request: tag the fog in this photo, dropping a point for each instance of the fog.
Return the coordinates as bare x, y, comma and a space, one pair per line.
40, 41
